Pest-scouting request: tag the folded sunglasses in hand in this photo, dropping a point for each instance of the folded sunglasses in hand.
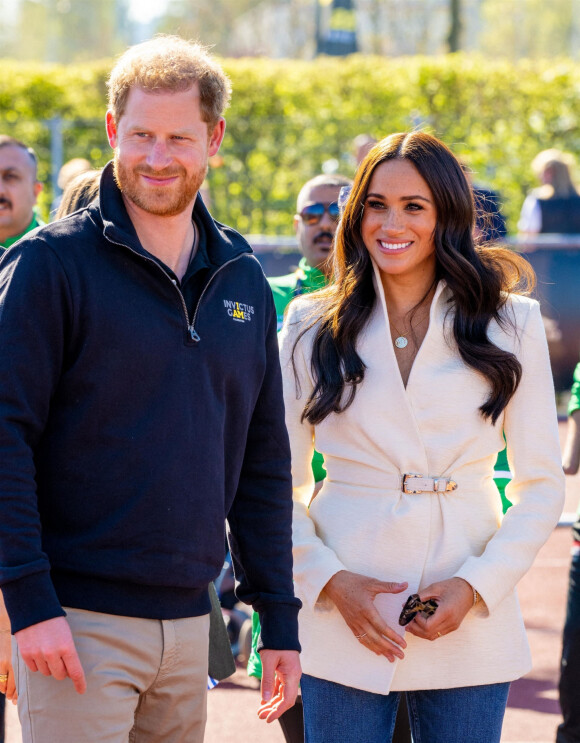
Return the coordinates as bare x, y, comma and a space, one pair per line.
413, 606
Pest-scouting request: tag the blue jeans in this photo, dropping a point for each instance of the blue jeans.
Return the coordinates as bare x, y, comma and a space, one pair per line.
569, 687
334, 713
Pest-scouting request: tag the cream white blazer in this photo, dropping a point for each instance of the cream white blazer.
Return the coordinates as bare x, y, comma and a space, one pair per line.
362, 521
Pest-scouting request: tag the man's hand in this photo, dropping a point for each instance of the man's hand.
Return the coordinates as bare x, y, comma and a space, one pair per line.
280, 678
49, 647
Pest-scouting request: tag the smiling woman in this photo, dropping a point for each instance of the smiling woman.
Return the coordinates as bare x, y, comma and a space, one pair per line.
406, 373
409, 218
398, 229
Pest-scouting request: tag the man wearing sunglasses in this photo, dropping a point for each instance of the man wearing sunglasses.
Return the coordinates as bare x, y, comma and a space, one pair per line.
315, 223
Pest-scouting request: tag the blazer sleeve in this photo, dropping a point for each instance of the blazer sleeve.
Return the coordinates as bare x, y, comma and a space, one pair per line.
314, 562
538, 486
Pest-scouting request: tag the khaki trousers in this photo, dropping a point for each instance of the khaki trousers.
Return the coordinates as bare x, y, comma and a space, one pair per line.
146, 683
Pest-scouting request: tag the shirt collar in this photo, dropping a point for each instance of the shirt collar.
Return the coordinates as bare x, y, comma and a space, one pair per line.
36, 222
312, 277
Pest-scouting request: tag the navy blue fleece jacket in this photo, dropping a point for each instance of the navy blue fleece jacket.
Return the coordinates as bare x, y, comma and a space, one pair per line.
132, 425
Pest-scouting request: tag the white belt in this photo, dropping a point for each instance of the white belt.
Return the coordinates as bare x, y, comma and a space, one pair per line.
413, 483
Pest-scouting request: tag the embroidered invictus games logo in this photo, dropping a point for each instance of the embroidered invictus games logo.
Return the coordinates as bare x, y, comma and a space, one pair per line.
239, 311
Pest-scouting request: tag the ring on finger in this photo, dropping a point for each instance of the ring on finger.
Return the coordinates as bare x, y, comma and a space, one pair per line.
439, 634
3, 678
358, 637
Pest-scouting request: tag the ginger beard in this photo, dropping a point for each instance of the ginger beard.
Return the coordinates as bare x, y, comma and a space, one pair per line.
163, 200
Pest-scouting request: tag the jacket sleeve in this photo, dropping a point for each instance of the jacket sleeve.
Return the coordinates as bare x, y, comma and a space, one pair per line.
314, 562
35, 310
538, 487
260, 519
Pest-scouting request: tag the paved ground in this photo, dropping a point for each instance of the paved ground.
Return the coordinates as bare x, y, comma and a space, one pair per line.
533, 712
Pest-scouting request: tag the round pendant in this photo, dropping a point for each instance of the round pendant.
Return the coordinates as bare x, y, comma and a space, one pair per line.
401, 342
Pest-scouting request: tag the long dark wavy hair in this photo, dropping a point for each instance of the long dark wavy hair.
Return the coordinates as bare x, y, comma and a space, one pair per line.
479, 277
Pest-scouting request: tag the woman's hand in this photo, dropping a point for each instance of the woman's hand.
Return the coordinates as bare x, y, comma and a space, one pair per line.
454, 598
354, 594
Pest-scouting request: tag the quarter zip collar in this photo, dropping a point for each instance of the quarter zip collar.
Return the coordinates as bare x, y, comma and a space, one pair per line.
223, 243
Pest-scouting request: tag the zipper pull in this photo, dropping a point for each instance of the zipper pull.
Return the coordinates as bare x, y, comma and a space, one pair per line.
193, 333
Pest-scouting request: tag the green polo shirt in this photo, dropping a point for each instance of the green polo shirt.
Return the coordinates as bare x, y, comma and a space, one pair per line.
304, 280
573, 406
36, 222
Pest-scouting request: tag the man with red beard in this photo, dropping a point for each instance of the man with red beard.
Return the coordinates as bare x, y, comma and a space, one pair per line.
141, 406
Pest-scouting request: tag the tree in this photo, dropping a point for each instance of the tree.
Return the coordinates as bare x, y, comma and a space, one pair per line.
454, 38
212, 23
67, 31
527, 28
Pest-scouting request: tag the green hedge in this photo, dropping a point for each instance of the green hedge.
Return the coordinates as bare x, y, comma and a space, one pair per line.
288, 117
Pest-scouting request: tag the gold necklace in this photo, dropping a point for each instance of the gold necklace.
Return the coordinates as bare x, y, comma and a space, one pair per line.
401, 339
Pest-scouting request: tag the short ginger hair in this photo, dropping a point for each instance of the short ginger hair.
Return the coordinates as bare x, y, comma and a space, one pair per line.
170, 64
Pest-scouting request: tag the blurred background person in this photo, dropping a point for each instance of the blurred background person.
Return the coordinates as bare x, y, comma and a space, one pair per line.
79, 192
67, 173
362, 144
569, 685
490, 223
554, 207
19, 190
315, 223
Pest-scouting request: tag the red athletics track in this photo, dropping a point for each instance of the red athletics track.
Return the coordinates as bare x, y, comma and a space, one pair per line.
533, 712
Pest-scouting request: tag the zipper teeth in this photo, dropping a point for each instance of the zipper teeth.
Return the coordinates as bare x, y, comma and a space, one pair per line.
190, 327
206, 287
